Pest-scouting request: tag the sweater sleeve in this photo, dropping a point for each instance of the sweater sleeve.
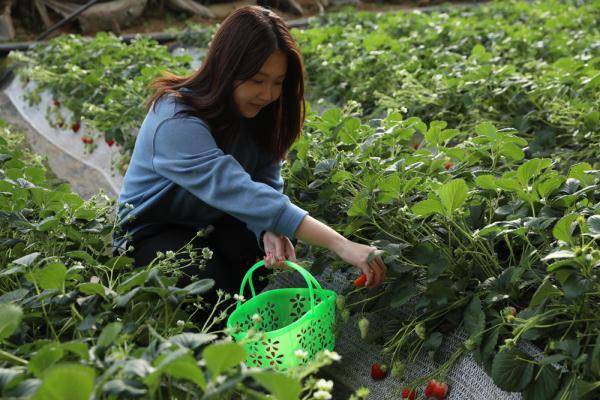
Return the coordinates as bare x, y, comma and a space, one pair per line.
271, 175
185, 152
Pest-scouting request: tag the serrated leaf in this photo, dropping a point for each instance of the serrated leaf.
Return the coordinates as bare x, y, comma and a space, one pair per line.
544, 385
564, 228
191, 340
453, 195
474, 319
58, 383
45, 358
280, 386
559, 254
545, 291
109, 334
593, 224
428, 207
51, 276
510, 370
10, 319
221, 357
27, 260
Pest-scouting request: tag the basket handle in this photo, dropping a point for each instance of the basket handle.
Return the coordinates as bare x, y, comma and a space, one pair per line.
310, 280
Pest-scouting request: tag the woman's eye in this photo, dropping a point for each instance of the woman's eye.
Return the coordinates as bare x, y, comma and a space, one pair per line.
257, 81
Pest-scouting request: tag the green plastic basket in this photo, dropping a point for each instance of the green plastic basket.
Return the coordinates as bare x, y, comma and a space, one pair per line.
291, 319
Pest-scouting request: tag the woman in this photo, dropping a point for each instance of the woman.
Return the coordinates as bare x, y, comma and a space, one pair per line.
209, 152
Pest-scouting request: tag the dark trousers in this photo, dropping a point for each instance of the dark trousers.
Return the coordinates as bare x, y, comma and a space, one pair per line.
234, 248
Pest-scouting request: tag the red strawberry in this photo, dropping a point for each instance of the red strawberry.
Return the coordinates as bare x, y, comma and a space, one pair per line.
56, 102
75, 127
437, 390
87, 140
360, 281
110, 142
378, 371
448, 165
408, 394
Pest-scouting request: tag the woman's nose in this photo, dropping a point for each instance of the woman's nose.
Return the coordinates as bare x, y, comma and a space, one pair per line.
268, 93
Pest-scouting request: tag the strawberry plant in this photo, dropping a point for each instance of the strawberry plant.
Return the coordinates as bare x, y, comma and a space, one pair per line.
101, 81
466, 246
528, 65
72, 312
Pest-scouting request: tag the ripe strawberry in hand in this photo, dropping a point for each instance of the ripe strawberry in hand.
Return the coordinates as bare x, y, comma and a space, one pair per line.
360, 281
378, 371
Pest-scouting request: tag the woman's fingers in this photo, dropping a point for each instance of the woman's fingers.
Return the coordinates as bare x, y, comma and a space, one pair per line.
376, 274
368, 271
383, 268
290, 252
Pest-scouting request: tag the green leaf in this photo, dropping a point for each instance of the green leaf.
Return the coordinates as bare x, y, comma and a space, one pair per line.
359, 207
109, 334
453, 195
559, 254
221, 357
593, 224
280, 386
578, 171
45, 358
51, 276
564, 228
7, 375
403, 295
27, 260
185, 367
192, 340
545, 291
92, 288
474, 320
575, 286
510, 371
486, 182
512, 151
428, 207
134, 280
531, 169
545, 384
67, 381
10, 319
486, 129
199, 287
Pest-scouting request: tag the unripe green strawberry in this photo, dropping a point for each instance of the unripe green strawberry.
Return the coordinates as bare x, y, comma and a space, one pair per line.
420, 331
363, 325
470, 344
398, 369
345, 315
340, 302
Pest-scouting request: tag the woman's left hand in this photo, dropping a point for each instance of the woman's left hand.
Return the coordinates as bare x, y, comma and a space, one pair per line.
277, 249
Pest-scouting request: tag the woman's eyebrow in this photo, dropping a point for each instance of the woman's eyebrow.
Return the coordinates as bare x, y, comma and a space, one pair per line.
265, 74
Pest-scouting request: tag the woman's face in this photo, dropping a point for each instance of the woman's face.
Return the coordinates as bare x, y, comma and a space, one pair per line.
251, 95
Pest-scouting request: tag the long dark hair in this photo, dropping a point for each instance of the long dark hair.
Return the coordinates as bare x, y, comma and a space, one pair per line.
244, 41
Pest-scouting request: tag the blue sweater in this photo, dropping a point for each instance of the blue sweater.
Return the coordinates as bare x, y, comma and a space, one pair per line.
178, 175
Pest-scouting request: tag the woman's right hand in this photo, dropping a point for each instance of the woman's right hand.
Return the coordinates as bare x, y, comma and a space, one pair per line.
357, 254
